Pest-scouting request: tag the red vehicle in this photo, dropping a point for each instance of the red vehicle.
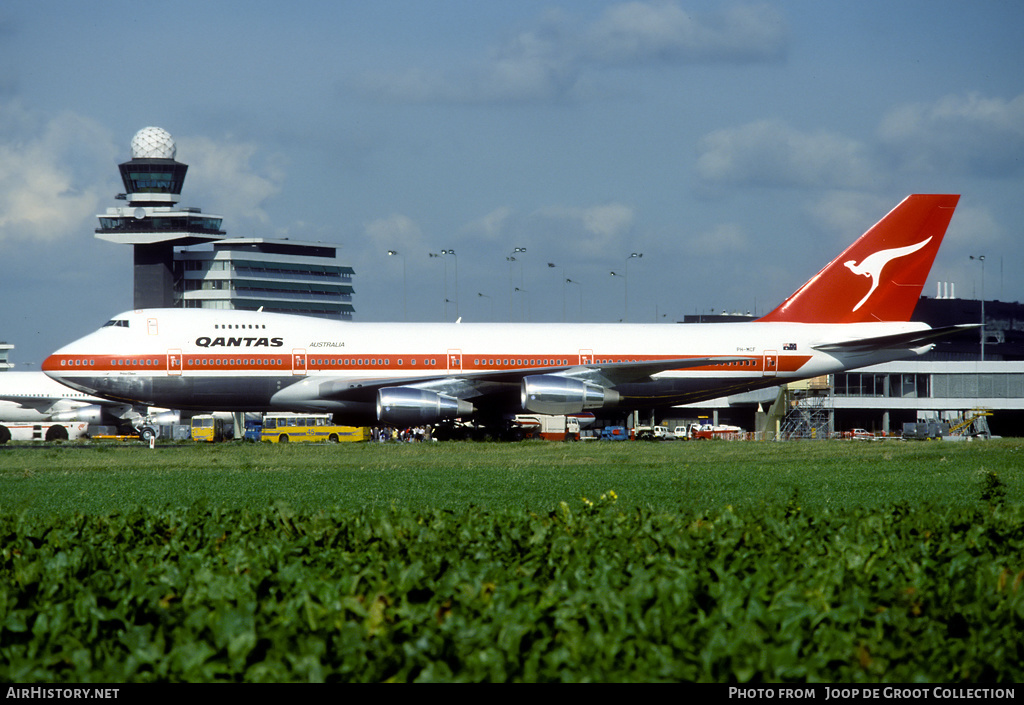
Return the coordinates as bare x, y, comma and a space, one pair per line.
707, 432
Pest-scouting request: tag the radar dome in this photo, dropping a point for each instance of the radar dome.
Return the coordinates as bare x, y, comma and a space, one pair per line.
153, 143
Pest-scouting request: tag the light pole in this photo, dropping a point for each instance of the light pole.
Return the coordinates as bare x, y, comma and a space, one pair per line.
485, 296
552, 265
625, 290
405, 311
981, 258
510, 259
625, 287
523, 295
573, 281
634, 255
444, 301
451, 253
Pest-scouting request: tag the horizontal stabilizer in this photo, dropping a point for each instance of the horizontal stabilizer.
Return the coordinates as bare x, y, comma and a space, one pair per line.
914, 339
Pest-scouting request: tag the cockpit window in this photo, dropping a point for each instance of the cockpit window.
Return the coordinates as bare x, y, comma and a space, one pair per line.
119, 322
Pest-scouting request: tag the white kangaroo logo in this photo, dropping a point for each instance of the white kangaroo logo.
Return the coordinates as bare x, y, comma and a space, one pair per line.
872, 265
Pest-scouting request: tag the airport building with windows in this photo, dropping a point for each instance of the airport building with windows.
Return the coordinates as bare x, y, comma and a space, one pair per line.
974, 379
285, 276
184, 259
5, 351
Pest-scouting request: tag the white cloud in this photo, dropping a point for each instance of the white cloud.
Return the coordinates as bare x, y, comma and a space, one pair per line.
721, 241
770, 153
665, 32
553, 59
394, 232
845, 215
589, 231
54, 176
603, 226
492, 226
229, 184
964, 133
975, 230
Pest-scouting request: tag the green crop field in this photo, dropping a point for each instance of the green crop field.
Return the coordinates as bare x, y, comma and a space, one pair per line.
721, 562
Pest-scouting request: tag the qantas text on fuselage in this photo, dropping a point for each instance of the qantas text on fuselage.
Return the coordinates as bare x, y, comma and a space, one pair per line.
206, 341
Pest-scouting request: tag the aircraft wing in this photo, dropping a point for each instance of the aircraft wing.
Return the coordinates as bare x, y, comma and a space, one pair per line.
615, 373
471, 386
914, 339
39, 405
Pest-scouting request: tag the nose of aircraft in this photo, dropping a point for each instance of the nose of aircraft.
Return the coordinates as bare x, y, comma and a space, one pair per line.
51, 365
59, 363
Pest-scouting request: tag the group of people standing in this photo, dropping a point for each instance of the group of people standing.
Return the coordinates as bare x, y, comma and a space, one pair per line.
411, 434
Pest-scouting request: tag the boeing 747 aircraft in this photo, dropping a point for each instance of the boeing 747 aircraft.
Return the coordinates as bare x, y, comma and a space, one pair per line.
854, 312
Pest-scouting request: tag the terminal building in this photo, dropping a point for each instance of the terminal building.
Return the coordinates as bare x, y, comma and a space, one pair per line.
5, 351
184, 259
974, 380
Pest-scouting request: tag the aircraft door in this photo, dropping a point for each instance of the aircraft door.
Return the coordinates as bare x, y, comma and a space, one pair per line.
771, 363
151, 327
586, 357
174, 363
455, 361
298, 361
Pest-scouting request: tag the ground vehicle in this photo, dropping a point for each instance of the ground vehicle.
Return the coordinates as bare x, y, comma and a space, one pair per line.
707, 432
208, 428
309, 428
614, 433
550, 428
44, 431
253, 430
925, 430
859, 434
653, 433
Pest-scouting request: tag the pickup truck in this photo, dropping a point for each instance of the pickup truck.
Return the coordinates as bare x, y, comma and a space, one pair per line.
653, 433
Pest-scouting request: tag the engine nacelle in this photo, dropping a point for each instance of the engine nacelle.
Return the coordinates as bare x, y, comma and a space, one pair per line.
404, 406
552, 394
164, 418
92, 414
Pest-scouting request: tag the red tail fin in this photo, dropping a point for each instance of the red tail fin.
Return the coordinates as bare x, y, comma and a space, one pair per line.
880, 276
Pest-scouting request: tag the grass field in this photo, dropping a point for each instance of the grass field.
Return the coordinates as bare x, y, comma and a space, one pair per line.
724, 562
101, 478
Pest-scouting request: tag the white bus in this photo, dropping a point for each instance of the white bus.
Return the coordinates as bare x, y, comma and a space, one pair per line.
42, 431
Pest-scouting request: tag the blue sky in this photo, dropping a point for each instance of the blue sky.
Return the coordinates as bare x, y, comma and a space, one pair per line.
737, 146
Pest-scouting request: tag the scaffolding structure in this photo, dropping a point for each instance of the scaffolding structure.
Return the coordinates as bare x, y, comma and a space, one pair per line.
803, 411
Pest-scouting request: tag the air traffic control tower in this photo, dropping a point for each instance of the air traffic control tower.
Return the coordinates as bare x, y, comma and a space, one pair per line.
150, 221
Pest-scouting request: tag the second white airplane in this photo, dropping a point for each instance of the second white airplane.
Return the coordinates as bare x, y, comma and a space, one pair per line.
854, 312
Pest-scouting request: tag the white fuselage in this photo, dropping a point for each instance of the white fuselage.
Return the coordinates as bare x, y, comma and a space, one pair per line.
237, 360
35, 397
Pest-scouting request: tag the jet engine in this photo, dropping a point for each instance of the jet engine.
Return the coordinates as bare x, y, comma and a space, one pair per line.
164, 418
91, 414
552, 394
408, 406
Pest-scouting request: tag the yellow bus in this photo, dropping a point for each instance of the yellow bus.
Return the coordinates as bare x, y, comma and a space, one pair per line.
208, 428
309, 428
